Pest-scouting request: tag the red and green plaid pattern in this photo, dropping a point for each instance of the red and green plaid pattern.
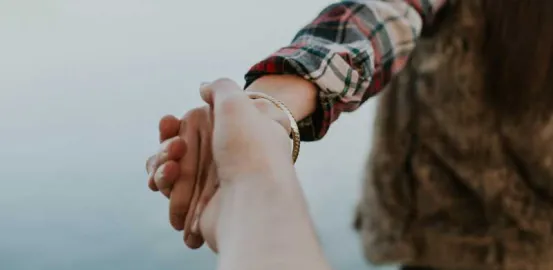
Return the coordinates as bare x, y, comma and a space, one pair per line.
350, 51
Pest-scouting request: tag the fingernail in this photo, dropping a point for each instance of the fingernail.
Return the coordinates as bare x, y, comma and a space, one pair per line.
163, 156
204, 89
204, 85
151, 166
164, 149
160, 174
195, 224
194, 228
186, 237
165, 144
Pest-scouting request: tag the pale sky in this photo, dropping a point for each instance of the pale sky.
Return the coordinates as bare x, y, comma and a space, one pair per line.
82, 86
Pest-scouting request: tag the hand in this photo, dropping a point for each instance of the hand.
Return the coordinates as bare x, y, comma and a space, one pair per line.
247, 133
259, 190
183, 168
182, 171
247, 141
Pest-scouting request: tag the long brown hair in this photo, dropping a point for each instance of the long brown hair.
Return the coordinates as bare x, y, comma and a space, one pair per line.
519, 52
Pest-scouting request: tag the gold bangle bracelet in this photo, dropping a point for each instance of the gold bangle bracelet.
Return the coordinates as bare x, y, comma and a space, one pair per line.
295, 132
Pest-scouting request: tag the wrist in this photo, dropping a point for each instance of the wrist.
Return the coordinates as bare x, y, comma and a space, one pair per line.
261, 168
286, 119
268, 105
298, 94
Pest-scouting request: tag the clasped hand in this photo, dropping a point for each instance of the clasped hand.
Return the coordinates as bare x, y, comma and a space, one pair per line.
232, 135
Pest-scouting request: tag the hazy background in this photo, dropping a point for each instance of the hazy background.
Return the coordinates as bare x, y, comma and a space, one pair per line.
82, 86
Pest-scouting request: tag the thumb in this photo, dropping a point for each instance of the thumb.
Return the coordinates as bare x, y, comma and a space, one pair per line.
219, 90
227, 101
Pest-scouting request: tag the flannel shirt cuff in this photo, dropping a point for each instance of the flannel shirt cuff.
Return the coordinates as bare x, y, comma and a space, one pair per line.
290, 61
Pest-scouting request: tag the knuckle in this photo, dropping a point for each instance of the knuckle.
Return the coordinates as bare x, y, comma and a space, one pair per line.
177, 149
224, 82
165, 144
194, 113
161, 157
167, 119
162, 183
195, 117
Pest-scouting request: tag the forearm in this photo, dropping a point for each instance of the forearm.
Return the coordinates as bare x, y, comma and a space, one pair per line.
264, 224
349, 53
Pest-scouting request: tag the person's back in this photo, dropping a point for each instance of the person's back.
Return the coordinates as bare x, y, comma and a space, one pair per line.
461, 170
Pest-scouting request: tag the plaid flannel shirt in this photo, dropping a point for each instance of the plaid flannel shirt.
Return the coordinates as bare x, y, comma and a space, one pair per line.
350, 52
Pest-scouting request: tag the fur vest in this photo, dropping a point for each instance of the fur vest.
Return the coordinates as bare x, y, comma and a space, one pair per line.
451, 181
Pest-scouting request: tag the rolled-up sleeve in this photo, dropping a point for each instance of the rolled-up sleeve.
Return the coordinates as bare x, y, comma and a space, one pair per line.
350, 51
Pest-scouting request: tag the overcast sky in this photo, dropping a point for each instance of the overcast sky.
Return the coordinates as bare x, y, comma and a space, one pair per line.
82, 86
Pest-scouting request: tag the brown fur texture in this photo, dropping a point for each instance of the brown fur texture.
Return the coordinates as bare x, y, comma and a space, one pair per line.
519, 54
456, 179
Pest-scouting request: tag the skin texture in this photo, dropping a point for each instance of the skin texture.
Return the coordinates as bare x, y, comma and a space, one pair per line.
527, 47
259, 191
183, 167
258, 187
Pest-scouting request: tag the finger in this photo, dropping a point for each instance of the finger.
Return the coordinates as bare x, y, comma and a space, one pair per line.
231, 108
204, 177
207, 193
169, 127
183, 187
171, 149
208, 221
194, 241
190, 240
150, 164
167, 130
152, 184
222, 92
165, 177
150, 167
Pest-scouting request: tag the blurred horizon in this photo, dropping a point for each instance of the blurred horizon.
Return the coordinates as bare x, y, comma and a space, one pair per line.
83, 85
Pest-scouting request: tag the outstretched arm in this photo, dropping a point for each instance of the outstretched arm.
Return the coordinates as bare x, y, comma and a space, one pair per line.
259, 217
264, 223
347, 54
